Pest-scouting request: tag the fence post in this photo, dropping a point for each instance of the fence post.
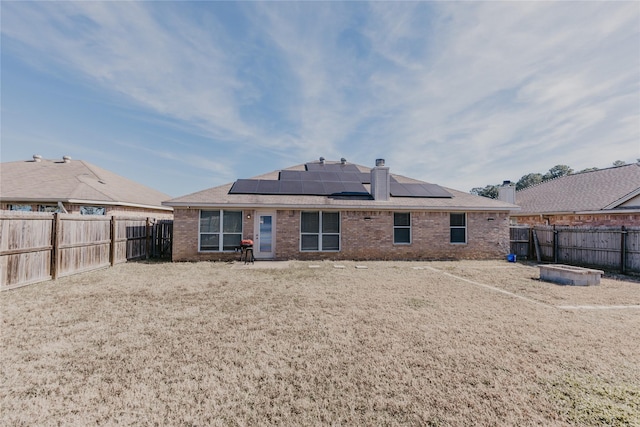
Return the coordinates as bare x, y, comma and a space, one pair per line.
148, 238
112, 249
623, 250
555, 244
55, 244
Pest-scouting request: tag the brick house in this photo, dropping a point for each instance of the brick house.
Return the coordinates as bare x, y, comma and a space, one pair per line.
76, 187
604, 197
339, 210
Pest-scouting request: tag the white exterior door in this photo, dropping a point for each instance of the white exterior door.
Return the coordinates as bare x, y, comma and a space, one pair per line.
265, 235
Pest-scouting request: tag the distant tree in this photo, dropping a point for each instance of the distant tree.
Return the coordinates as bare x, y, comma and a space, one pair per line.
619, 163
490, 191
528, 180
588, 170
556, 172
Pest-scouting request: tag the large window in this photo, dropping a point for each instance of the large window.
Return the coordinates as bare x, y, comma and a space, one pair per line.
458, 224
401, 228
320, 231
220, 230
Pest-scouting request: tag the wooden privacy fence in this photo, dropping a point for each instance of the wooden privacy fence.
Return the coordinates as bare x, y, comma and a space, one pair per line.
609, 248
41, 246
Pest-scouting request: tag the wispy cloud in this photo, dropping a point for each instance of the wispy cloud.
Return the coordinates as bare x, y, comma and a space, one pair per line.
448, 92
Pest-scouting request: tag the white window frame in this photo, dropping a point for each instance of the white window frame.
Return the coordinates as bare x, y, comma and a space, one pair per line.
220, 232
458, 227
401, 227
320, 233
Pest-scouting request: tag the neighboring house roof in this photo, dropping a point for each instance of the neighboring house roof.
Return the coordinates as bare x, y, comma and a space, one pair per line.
428, 196
600, 190
73, 181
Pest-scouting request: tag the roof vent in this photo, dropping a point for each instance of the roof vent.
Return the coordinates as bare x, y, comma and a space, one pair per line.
343, 161
66, 159
322, 160
37, 157
379, 162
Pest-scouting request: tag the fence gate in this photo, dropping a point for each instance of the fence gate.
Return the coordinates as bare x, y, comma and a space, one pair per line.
161, 238
520, 241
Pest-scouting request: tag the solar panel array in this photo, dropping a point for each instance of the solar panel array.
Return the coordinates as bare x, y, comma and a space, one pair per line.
418, 190
298, 187
331, 167
326, 176
336, 180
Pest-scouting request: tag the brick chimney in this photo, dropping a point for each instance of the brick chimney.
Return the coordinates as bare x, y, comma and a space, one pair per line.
507, 192
380, 181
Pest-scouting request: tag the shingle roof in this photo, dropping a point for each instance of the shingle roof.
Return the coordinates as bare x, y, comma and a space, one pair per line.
583, 192
73, 181
219, 196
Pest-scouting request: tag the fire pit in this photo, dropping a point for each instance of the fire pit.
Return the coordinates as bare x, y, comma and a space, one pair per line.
570, 275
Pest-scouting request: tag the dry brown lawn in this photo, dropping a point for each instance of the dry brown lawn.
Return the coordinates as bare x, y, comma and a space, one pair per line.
429, 344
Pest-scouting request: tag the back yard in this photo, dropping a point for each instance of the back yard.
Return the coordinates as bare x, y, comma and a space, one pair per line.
429, 343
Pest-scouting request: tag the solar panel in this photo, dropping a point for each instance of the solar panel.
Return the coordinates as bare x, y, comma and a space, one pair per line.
418, 190
291, 187
312, 188
266, 186
290, 175
244, 186
353, 177
330, 176
311, 176
333, 187
331, 167
354, 187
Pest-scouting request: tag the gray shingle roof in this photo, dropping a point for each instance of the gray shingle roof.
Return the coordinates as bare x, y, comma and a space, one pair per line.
583, 192
75, 181
220, 197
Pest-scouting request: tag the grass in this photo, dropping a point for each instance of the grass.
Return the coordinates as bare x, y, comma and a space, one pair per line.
393, 344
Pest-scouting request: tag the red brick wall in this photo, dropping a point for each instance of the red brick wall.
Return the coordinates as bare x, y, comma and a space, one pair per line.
608, 219
185, 237
364, 239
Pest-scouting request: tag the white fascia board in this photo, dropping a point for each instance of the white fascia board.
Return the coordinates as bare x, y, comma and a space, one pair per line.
84, 202
623, 199
610, 212
604, 211
344, 207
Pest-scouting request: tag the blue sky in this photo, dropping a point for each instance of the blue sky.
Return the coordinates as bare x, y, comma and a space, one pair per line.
183, 96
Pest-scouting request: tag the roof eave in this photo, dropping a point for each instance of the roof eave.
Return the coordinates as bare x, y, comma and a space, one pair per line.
377, 206
593, 212
84, 201
127, 204
623, 199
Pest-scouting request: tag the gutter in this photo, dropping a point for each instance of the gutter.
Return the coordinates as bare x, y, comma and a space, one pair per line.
88, 202
598, 212
341, 207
